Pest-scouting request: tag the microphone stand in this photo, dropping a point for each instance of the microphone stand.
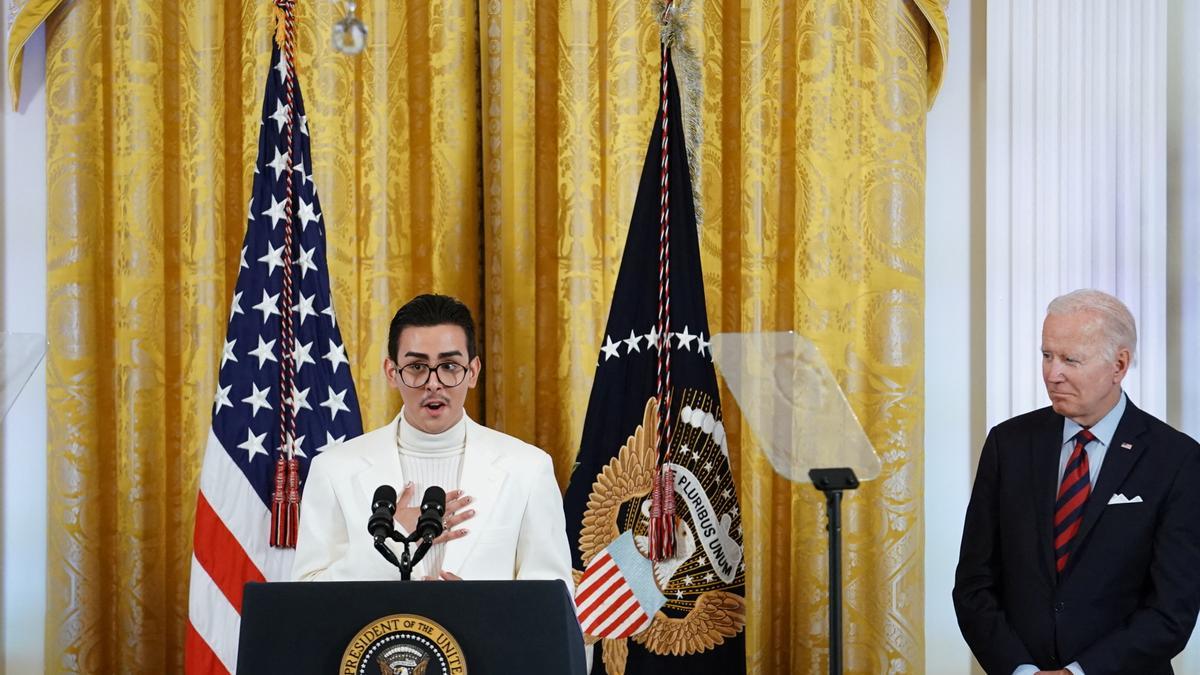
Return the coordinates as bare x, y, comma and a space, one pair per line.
406, 561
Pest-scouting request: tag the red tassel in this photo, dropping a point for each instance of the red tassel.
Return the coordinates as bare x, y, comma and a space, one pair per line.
654, 533
662, 515
293, 503
668, 515
278, 517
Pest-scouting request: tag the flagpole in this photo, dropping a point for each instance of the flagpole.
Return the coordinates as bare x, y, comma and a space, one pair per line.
833, 482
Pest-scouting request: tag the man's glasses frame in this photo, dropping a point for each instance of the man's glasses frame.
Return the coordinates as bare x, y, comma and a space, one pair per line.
448, 373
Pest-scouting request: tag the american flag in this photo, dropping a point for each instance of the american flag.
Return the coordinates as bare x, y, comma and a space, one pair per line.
237, 480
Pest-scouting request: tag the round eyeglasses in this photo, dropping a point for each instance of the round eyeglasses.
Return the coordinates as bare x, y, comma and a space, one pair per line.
449, 374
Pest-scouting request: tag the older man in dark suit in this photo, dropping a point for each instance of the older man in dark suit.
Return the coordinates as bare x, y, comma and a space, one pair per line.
1081, 547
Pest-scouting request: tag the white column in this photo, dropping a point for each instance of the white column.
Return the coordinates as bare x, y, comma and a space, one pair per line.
23, 309
1076, 184
1183, 236
954, 304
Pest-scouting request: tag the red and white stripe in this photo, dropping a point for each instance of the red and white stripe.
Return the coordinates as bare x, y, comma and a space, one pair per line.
230, 548
606, 604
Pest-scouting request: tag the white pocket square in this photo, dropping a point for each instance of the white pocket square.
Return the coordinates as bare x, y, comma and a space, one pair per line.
1122, 499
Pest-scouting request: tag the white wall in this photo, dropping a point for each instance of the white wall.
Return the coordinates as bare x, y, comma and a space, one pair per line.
23, 309
957, 387
954, 318
1183, 236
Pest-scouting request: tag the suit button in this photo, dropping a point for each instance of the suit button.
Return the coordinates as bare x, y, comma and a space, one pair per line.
1058, 606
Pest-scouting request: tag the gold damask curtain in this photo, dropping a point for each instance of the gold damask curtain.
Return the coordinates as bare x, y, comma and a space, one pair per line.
490, 150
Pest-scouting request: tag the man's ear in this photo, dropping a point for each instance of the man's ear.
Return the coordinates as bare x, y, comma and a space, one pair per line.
1122, 363
391, 372
476, 367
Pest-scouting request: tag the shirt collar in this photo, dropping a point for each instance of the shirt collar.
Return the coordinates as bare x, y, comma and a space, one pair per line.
1102, 430
413, 441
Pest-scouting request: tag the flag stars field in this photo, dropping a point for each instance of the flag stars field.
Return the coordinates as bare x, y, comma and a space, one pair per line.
683, 340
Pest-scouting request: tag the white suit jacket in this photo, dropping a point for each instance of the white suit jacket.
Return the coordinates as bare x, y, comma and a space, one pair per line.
518, 532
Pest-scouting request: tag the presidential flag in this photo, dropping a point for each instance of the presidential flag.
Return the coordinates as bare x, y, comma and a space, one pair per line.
652, 513
284, 380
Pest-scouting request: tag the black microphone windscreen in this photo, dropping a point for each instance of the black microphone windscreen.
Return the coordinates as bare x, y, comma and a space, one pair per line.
385, 496
435, 498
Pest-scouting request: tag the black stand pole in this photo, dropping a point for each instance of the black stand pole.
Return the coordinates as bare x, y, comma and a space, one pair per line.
833, 482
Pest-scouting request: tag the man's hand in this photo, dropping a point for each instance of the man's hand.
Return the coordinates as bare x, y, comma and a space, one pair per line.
456, 513
444, 576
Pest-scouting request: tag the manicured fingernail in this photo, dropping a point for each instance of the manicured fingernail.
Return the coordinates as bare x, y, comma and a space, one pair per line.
470, 512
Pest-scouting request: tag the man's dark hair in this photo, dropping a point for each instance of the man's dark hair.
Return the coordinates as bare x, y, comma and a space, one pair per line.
431, 310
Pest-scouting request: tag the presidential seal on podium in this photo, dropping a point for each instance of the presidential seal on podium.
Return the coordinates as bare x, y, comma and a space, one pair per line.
403, 644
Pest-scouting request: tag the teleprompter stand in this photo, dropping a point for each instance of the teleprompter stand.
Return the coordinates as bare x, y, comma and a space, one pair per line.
833, 482
804, 424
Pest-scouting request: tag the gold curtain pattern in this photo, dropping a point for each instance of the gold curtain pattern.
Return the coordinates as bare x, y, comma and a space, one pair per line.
489, 149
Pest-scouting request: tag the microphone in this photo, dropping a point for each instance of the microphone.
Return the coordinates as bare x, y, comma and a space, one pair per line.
383, 508
433, 507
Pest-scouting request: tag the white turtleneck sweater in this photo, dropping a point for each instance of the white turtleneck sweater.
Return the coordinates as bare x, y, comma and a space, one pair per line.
430, 459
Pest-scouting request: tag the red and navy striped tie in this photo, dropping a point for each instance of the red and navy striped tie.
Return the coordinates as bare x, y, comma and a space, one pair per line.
1072, 496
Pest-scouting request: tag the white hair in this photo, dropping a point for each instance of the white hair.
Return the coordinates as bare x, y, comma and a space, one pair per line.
1117, 326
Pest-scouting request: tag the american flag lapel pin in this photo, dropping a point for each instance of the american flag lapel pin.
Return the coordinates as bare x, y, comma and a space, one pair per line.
1127, 446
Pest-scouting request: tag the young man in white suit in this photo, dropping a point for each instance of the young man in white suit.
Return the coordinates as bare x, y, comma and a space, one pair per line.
504, 516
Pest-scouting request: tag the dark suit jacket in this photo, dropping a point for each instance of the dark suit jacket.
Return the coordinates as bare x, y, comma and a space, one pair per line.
1128, 598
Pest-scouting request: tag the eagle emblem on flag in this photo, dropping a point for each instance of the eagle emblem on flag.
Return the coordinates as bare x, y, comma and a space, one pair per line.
621, 592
